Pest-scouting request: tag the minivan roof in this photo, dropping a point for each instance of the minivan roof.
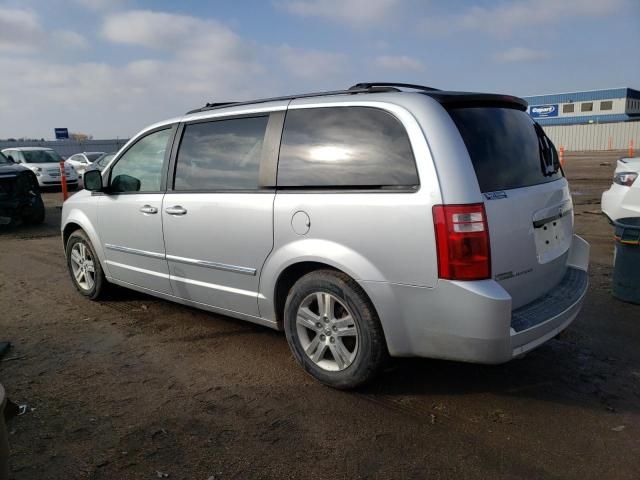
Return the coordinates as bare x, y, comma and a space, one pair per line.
449, 99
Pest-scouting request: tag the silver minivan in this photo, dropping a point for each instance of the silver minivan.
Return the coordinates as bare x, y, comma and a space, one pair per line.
383, 220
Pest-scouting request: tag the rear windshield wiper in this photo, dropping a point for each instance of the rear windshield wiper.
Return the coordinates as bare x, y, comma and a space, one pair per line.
549, 161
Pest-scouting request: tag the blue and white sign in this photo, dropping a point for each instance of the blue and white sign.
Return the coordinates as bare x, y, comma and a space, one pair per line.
543, 111
61, 133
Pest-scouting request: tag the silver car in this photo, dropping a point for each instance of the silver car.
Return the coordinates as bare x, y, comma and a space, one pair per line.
384, 220
80, 161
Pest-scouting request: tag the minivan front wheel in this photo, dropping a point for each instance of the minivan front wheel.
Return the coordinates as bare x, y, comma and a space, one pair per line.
333, 330
84, 267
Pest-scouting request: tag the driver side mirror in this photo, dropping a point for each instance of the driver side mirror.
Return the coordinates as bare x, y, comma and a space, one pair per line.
93, 181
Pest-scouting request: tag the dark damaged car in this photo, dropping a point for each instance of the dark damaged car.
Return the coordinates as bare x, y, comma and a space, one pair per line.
19, 194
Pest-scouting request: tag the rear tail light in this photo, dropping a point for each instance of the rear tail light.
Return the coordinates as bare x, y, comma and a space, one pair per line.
625, 178
462, 239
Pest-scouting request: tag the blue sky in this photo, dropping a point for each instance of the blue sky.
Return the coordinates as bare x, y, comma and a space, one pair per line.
110, 67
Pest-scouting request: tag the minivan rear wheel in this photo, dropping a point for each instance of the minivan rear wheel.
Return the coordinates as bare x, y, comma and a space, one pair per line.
333, 330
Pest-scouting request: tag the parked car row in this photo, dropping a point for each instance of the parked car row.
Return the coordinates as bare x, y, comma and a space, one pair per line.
19, 194
24, 170
44, 163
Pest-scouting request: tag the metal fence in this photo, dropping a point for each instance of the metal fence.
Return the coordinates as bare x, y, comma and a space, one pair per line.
66, 148
596, 136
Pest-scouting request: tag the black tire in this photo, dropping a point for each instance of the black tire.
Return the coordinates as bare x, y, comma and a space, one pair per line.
35, 214
100, 284
371, 352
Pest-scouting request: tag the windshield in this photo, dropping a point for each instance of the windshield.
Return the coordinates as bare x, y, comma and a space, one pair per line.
508, 150
41, 156
105, 158
3, 159
93, 156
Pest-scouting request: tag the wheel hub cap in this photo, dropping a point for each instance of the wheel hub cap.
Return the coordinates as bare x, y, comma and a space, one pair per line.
82, 266
327, 331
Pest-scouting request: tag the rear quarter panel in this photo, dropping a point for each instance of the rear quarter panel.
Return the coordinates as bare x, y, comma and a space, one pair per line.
381, 236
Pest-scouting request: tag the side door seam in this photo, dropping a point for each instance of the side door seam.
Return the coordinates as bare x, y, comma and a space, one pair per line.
273, 219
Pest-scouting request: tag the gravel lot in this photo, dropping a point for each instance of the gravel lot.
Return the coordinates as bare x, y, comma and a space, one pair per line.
136, 387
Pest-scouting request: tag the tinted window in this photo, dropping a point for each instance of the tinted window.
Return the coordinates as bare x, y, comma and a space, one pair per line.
504, 147
569, 108
345, 147
586, 107
140, 168
606, 105
221, 155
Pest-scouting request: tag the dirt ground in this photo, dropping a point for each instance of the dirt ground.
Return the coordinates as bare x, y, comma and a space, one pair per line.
137, 387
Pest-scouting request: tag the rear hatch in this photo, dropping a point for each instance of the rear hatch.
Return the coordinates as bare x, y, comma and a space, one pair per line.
527, 200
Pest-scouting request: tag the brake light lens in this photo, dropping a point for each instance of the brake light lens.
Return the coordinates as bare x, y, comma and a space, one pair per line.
462, 240
625, 178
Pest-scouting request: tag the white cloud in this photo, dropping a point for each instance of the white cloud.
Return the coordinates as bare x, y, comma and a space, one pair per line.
21, 32
359, 13
98, 5
520, 54
190, 61
189, 38
69, 39
508, 17
398, 62
165, 30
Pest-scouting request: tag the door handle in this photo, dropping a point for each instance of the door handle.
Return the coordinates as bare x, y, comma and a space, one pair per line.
176, 210
148, 209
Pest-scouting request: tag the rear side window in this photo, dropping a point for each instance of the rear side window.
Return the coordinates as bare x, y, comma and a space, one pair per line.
221, 155
345, 147
505, 149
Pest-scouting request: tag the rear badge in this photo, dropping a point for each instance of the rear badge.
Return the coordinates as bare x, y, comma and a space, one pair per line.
495, 195
508, 275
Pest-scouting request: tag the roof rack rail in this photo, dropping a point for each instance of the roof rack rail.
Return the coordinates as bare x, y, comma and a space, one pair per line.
219, 104
358, 86
351, 91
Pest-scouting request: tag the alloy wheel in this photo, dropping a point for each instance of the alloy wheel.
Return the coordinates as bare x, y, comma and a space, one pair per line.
82, 266
327, 331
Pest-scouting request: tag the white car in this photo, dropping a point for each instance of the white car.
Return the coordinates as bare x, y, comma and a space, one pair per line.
623, 198
44, 162
80, 161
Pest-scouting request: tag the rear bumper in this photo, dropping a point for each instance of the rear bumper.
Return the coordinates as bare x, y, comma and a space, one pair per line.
473, 321
621, 202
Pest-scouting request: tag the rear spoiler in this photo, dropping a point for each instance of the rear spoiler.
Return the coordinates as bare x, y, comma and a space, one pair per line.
467, 99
